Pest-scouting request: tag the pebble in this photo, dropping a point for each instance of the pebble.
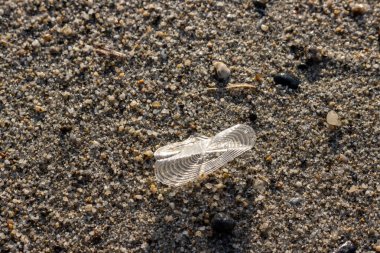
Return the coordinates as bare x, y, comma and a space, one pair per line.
287, 79
222, 71
264, 28
187, 63
295, 201
133, 104
148, 153
347, 247
138, 197
88, 208
156, 105
222, 223
67, 31
342, 158
377, 248
332, 119
168, 218
359, 9
36, 44
153, 188
253, 117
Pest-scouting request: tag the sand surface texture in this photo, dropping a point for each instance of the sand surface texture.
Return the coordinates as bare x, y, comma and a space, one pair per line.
89, 89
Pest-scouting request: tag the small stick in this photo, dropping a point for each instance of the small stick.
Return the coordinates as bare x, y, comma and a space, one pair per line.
240, 85
232, 86
109, 52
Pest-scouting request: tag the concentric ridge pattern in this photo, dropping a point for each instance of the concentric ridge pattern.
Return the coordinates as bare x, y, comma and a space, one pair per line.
185, 161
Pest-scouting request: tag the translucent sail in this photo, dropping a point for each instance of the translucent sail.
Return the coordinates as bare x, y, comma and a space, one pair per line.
185, 161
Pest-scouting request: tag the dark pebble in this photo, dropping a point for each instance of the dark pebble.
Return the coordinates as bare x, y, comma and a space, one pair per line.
260, 7
253, 117
287, 80
347, 247
222, 223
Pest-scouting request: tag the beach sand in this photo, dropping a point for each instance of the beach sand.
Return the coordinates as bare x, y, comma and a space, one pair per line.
89, 89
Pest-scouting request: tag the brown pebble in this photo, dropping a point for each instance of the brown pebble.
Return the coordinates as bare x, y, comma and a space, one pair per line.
47, 37
332, 119
342, 158
153, 188
156, 104
148, 154
359, 9
67, 31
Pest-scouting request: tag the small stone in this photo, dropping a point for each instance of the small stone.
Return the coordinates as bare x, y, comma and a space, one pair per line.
219, 186
222, 223
264, 227
38, 108
11, 214
187, 63
138, 197
36, 44
172, 87
156, 104
353, 189
121, 129
67, 31
47, 37
133, 104
287, 79
198, 233
332, 119
10, 224
222, 71
139, 158
342, 158
347, 247
88, 208
111, 98
359, 9
264, 28
153, 188
377, 248
295, 201
253, 117
148, 153
231, 17
168, 218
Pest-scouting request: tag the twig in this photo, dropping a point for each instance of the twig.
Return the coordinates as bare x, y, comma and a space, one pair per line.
240, 86
109, 52
233, 86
